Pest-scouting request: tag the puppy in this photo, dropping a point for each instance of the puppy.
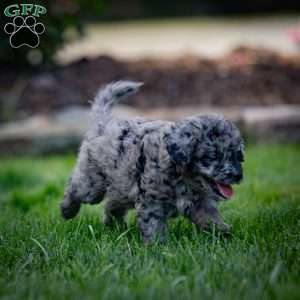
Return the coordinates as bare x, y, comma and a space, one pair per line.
160, 168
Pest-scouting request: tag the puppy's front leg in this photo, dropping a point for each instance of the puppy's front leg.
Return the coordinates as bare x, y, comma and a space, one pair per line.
206, 214
152, 222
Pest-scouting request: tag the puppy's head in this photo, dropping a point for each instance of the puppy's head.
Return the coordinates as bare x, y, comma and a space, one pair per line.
209, 150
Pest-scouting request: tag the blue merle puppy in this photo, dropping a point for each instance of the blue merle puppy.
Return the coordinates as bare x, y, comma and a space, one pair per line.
162, 169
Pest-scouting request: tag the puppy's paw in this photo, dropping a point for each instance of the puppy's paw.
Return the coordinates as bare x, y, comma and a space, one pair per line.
220, 228
112, 222
224, 228
69, 209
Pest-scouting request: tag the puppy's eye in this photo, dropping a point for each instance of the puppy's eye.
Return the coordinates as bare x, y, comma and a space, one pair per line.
219, 155
205, 157
205, 160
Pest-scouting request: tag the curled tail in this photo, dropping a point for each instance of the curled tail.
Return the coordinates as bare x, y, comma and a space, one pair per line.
111, 94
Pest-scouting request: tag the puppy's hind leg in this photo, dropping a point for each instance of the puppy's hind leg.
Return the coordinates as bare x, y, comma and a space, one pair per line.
151, 222
87, 185
115, 211
71, 203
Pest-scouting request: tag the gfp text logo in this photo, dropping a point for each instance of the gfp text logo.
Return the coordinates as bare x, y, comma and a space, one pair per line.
24, 30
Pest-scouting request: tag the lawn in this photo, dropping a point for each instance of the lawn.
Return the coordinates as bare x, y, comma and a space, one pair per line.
42, 256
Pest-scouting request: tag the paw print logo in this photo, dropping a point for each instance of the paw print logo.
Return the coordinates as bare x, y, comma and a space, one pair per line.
24, 32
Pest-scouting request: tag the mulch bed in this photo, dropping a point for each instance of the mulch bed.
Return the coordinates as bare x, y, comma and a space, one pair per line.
244, 77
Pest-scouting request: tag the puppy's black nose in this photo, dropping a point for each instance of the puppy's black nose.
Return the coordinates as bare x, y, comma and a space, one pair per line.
237, 177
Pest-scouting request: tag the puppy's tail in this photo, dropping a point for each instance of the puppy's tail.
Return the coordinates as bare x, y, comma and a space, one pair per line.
111, 94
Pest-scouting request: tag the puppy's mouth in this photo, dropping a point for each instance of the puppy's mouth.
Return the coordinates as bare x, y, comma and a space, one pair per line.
221, 189
224, 190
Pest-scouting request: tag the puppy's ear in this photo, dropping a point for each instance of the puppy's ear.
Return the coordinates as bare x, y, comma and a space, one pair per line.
180, 143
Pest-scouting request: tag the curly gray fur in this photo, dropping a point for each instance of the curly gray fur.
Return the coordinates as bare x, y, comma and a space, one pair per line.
160, 168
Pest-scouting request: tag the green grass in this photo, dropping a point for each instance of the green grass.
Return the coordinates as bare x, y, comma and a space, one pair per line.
41, 256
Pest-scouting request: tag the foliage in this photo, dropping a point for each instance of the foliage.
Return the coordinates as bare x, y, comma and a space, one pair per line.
42, 256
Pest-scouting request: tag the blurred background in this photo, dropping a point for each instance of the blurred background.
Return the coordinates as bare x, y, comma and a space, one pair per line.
238, 58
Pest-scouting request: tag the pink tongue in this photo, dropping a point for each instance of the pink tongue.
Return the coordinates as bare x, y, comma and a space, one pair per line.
225, 190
